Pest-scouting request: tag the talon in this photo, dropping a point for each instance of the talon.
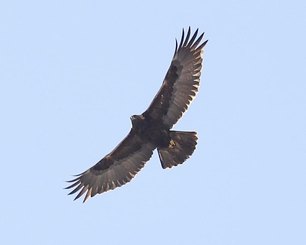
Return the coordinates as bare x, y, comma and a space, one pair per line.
171, 144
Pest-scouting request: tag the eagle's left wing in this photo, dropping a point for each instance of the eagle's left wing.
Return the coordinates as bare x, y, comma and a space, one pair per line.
115, 169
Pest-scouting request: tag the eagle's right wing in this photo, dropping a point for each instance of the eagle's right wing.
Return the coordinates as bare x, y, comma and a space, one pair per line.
181, 82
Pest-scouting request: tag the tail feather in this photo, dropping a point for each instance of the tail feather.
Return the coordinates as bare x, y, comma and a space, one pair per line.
181, 147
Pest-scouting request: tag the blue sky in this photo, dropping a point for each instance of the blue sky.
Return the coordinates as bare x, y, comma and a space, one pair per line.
73, 72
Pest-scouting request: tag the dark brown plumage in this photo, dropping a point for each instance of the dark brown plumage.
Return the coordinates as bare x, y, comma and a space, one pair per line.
151, 129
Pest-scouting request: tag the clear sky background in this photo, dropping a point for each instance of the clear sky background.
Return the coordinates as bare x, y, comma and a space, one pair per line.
73, 72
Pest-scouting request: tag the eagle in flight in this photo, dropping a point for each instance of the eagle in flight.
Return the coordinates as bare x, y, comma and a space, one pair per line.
152, 129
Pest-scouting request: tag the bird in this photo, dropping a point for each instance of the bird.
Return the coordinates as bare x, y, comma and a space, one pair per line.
153, 128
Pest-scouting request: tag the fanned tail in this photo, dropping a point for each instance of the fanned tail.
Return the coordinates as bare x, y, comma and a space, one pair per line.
181, 147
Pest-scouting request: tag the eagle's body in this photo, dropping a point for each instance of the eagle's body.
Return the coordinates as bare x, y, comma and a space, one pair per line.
152, 129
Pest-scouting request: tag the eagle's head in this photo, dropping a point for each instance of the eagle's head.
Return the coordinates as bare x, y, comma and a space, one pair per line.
137, 120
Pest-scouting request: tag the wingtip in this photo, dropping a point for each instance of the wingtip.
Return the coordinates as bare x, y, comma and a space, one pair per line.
85, 199
187, 37
188, 40
182, 38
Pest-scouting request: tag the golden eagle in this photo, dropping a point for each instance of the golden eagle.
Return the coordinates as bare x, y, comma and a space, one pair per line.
151, 129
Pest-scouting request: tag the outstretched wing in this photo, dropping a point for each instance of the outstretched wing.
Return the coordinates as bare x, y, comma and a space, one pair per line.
115, 169
181, 82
